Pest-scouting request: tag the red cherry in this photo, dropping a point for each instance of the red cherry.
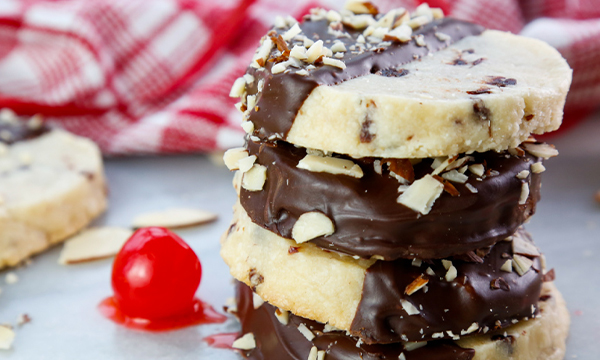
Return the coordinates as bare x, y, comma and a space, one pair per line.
155, 275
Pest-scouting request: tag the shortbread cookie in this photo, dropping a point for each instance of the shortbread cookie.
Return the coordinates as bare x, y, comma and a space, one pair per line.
388, 301
51, 186
372, 87
488, 196
275, 334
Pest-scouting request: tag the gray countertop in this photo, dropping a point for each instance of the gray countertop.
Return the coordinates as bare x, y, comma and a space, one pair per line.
62, 300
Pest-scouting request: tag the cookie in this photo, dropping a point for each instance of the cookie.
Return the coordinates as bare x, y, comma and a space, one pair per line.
388, 301
281, 335
380, 88
479, 207
51, 186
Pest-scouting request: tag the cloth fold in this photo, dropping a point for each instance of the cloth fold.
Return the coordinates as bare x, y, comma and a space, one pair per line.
153, 76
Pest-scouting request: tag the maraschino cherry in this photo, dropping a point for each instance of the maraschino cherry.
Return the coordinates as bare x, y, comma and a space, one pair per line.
155, 277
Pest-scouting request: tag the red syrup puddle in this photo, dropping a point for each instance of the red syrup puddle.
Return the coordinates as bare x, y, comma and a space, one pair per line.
201, 313
222, 341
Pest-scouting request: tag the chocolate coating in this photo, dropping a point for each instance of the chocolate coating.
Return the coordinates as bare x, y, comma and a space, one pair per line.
283, 94
275, 341
368, 219
16, 130
481, 293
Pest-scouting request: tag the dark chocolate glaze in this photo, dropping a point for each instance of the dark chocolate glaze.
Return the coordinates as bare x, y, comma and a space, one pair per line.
275, 341
368, 219
18, 130
283, 94
476, 295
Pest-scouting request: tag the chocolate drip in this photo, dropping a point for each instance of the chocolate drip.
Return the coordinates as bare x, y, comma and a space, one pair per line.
283, 94
368, 219
275, 341
445, 306
17, 130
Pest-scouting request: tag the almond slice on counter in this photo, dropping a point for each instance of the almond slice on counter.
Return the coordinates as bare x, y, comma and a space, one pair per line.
7, 336
174, 218
94, 244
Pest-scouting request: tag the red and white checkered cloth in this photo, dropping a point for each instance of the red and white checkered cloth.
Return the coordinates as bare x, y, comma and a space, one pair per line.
153, 76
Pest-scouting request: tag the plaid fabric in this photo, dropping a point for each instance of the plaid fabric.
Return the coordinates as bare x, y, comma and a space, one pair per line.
153, 76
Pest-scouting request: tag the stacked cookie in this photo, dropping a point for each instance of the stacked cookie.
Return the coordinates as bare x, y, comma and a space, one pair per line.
52, 185
387, 172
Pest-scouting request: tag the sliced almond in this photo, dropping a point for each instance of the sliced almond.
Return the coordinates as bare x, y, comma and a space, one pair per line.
338, 47
474, 327
283, 316
416, 285
255, 178
334, 62
321, 355
477, 169
455, 176
409, 307
537, 168
402, 168
260, 58
314, 352
174, 218
7, 337
330, 165
293, 31
238, 88
314, 51
522, 247
312, 225
402, 33
523, 174
421, 195
522, 264
257, 301
93, 244
245, 164
524, 193
248, 127
361, 7
309, 335
298, 52
233, 156
451, 274
246, 342
447, 264
544, 151
507, 266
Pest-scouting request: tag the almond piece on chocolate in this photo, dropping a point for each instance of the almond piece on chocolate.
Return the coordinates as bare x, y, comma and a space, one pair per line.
255, 178
238, 88
416, 285
545, 151
421, 195
330, 165
361, 7
93, 244
522, 247
246, 342
521, 264
232, 156
409, 307
283, 316
311, 225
